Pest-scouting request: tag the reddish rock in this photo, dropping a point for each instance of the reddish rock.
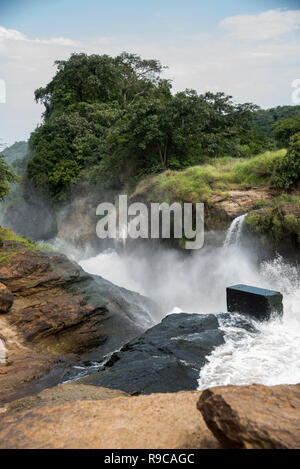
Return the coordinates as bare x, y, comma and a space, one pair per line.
6, 299
253, 417
158, 421
58, 311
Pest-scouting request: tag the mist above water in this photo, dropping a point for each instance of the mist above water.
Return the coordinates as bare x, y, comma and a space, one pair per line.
197, 283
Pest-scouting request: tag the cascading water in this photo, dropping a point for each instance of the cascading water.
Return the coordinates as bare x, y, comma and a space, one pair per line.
268, 354
235, 230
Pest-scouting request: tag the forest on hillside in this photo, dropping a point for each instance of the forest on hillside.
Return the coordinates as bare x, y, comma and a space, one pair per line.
112, 121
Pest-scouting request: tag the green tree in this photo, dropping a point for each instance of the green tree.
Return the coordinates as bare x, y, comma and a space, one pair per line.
138, 76
287, 173
285, 129
112, 120
67, 144
176, 131
7, 177
265, 119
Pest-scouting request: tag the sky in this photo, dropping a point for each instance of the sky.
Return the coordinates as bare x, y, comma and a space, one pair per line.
249, 49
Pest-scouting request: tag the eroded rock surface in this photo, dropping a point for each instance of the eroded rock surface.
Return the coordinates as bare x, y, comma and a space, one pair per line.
58, 311
253, 417
158, 421
61, 394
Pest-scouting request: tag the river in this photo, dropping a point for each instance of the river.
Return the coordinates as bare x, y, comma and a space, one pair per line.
197, 283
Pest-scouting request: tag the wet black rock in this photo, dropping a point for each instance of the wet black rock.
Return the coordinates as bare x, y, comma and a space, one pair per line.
256, 302
166, 358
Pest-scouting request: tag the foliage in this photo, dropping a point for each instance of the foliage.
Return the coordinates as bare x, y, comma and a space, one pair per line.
112, 121
287, 171
265, 119
285, 129
7, 177
22, 244
272, 224
203, 183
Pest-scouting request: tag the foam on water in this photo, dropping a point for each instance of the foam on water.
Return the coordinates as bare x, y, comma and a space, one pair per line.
197, 284
269, 357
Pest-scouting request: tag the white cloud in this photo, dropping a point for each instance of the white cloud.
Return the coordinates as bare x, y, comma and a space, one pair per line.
14, 35
250, 70
268, 25
11, 34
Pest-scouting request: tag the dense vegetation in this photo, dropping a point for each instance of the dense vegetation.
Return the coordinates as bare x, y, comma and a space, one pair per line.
205, 181
267, 119
287, 171
7, 177
113, 120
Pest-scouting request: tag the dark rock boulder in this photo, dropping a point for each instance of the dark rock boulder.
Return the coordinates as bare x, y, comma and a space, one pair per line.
166, 358
259, 303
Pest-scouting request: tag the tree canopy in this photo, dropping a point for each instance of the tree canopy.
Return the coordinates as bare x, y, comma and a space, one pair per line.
113, 119
7, 177
285, 129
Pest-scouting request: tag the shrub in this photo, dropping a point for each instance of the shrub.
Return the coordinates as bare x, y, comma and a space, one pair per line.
287, 171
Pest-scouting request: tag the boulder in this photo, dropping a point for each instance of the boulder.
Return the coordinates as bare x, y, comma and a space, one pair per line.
59, 311
158, 421
259, 303
6, 299
253, 417
166, 358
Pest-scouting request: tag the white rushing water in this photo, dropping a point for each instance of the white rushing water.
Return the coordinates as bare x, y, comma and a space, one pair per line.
235, 231
271, 356
197, 283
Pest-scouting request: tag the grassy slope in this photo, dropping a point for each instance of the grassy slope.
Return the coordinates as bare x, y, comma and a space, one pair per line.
201, 183
14, 243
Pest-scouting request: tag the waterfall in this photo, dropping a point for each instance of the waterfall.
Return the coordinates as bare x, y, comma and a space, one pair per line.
122, 235
235, 230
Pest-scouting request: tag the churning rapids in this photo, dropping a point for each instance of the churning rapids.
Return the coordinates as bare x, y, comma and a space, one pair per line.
197, 283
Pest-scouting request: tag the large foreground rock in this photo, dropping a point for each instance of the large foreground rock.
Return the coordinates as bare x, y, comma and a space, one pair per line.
58, 311
159, 421
253, 417
166, 358
59, 395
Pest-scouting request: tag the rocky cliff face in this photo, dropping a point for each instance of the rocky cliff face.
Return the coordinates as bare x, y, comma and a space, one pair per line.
58, 310
275, 230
